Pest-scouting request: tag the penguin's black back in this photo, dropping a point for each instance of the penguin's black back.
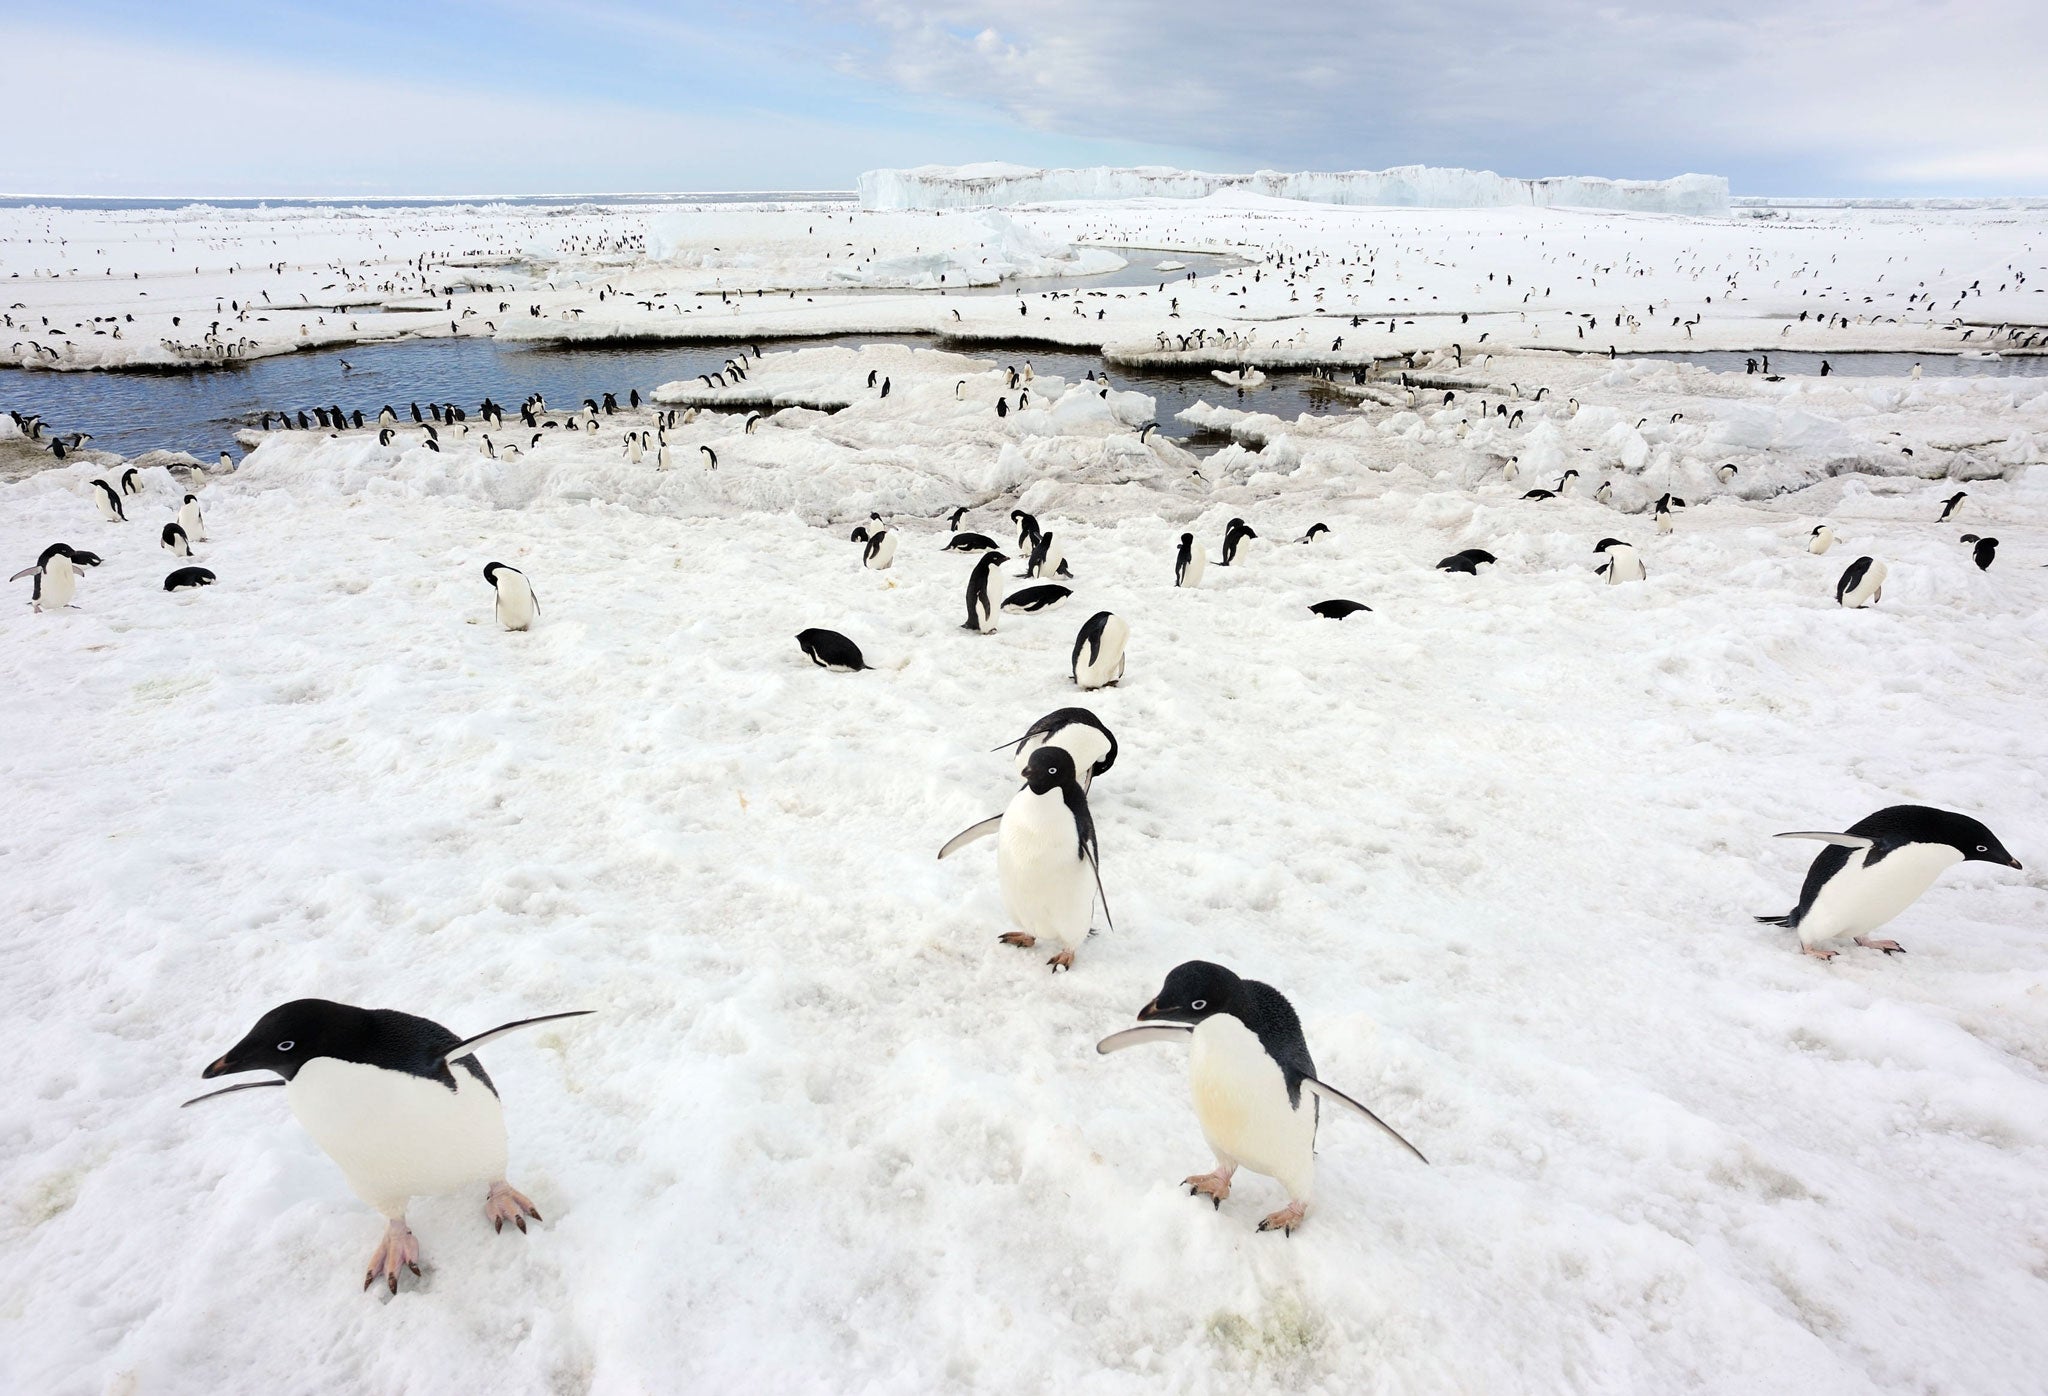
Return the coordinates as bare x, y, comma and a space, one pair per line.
1266, 1011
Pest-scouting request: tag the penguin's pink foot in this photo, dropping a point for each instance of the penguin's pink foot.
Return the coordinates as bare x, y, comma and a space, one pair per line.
1018, 939
507, 1204
1890, 947
1286, 1219
1818, 954
399, 1247
1214, 1186
1062, 961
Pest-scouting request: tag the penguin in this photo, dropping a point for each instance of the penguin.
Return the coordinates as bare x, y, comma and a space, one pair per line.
175, 541
56, 578
1098, 659
186, 578
1984, 551
1727, 472
400, 1103
1235, 534
1624, 563
1862, 584
985, 593
1468, 561
1605, 493
1027, 531
1041, 598
1662, 510
710, 458
953, 520
1315, 531
109, 502
880, 551
516, 604
227, 462
828, 649
1951, 504
970, 543
1048, 559
131, 481
1188, 563
189, 519
1047, 861
1338, 609
1254, 1084
1821, 539
1079, 732
1877, 869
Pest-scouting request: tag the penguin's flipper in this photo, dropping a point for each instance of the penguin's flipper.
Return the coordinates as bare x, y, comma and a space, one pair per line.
470, 1044
1095, 863
1335, 1096
230, 1090
1008, 746
1143, 1033
26, 572
971, 833
1844, 840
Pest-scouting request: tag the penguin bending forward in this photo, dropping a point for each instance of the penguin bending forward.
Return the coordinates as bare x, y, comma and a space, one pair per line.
56, 577
1254, 1083
517, 605
1098, 659
1079, 732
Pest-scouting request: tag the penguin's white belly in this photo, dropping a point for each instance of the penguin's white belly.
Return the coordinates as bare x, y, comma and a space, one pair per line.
1108, 666
985, 614
884, 553
60, 584
1821, 543
1241, 1101
194, 526
515, 602
1859, 899
1085, 744
1624, 565
1191, 576
1048, 887
1049, 566
398, 1136
107, 507
1867, 589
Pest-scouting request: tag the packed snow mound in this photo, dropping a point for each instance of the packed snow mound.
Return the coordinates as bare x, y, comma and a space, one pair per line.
1404, 186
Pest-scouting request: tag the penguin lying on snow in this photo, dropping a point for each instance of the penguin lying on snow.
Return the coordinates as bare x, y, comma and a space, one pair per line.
1861, 584
185, 578
1047, 862
1338, 608
56, 580
1042, 598
1254, 1083
1468, 561
828, 649
1078, 732
1315, 531
1878, 868
517, 605
971, 543
400, 1103
1098, 658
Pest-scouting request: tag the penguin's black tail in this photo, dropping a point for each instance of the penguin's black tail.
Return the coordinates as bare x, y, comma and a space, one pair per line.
1785, 920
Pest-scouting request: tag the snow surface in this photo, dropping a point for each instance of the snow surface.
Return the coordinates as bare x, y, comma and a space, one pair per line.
1500, 840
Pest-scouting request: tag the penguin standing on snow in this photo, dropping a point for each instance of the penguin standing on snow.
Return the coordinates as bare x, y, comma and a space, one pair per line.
985, 593
175, 542
131, 481
517, 605
1046, 857
1862, 584
1315, 531
1098, 659
109, 502
1663, 508
1048, 559
56, 578
1254, 1083
1984, 550
1235, 535
1877, 869
880, 552
1188, 562
1077, 731
828, 649
1951, 504
1822, 538
1027, 531
190, 520
1624, 563
400, 1103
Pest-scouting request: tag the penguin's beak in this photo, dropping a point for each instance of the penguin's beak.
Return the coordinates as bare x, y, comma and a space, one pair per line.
219, 1068
2016, 862
1149, 1011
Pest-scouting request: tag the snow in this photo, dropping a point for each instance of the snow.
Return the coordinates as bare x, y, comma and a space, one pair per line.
1405, 186
1500, 840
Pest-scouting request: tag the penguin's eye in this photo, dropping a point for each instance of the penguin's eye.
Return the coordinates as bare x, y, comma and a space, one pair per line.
1199, 1004
286, 1045
1983, 848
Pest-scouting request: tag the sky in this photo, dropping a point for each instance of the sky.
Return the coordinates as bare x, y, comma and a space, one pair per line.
251, 97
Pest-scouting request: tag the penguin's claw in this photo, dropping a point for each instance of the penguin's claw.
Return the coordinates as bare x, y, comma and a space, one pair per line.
508, 1204
1819, 954
1286, 1219
1214, 1186
1018, 939
1890, 947
1062, 961
399, 1247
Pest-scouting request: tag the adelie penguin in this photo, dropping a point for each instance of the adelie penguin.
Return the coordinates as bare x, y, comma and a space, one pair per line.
985, 593
400, 1103
131, 481
1469, 561
1034, 599
1820, 540
971, 543
56, 578
1235, 535
1861, 584
1662, 511
1315, 531
110, 503
1984, 551
1624, 563
828, 649
175, 542
1255, 1089
1188, 562
953, 519
186, 578
1077, 731
1877, 868
1098, 659
189, 519
879, 550
1027, 531
1048, 559
1951, 504
1337, 608
516, 605
1046, 857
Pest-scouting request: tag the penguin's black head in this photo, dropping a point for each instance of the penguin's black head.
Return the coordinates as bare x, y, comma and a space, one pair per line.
860, 535
1605, 543
491, 571
1970, 838
1187, 540
1192, 992
993, 559
289, 1036
1049, 768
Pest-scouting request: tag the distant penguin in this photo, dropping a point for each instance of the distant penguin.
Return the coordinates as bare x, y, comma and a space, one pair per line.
1079, 732
985, 593
186, 578
1338, 608
1951, 504
190, 521
56, 578
1605, 493
110, 503
1822, 538
1235, 535
1862, 584
1188, 562
131, 481
1984, 551
1254, 1084
517, 605
401, 1104
1048, 559
1727, 472
1315, 531
1047, 862
175, 541
953, 520
1098, 659
1662, 510
1878, 868
1624, 563
828, 649
227, 462
1469, 561
879, 552
970, 543
1027, 531
710, 457
1034, 599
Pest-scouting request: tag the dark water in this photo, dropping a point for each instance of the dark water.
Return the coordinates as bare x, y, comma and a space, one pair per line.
1860, 365
199, 412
